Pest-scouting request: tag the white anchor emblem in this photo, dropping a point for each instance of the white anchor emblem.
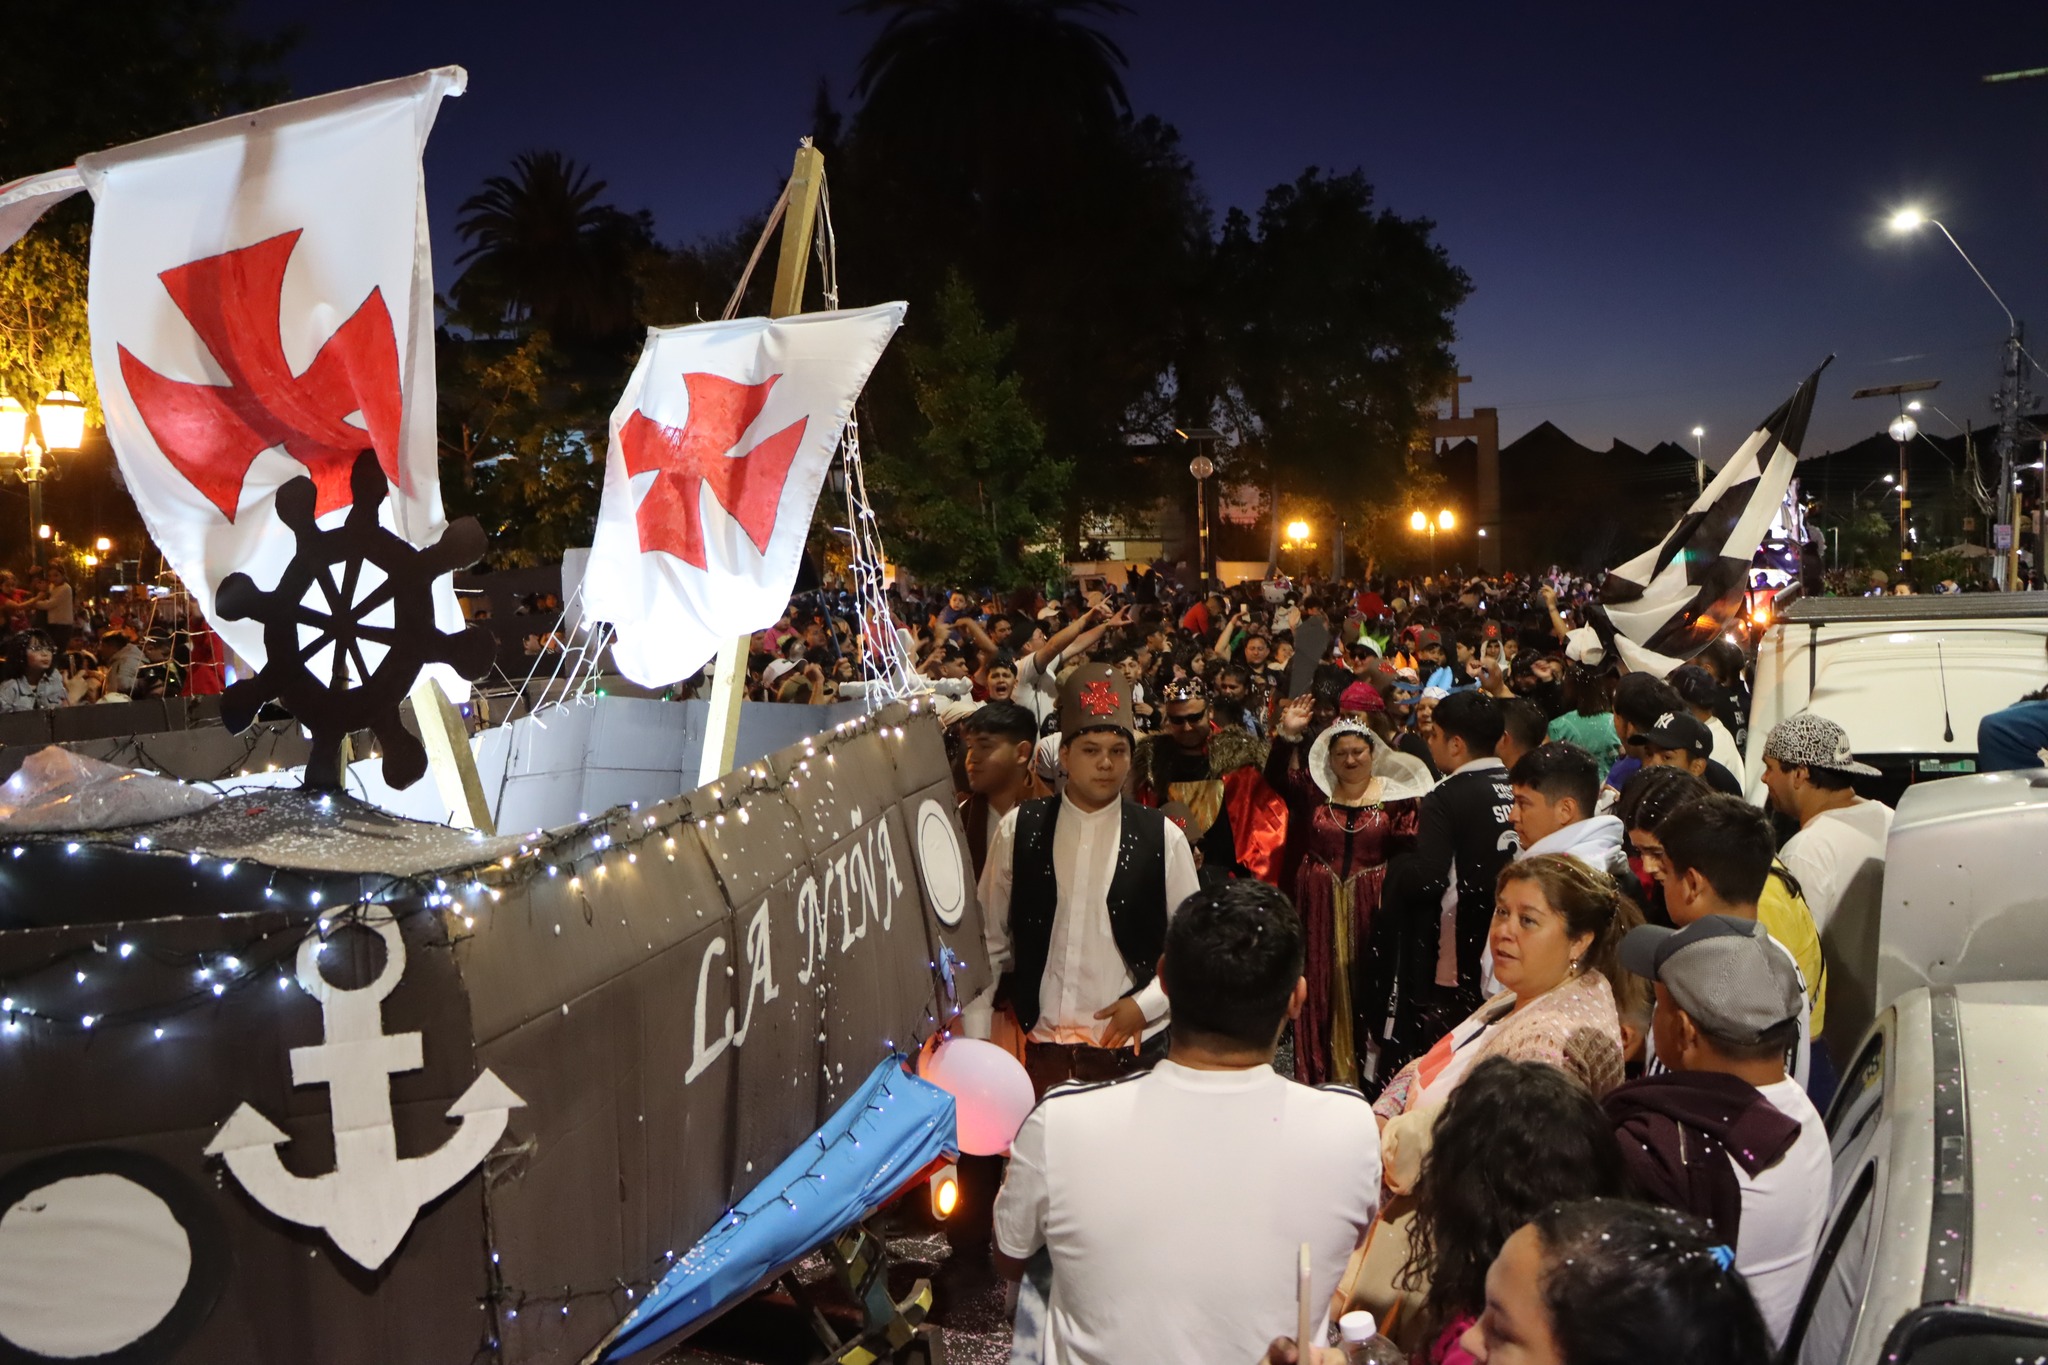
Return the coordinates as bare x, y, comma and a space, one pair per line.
367, 1203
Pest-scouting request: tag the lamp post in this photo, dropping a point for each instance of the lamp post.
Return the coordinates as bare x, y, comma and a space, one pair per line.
1203, 468
1903, 429
1419, 520
1699, 458
60, 419
1298, 532
2013, 400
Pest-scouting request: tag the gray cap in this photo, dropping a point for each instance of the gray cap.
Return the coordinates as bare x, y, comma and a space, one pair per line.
1725, 972
1806, 740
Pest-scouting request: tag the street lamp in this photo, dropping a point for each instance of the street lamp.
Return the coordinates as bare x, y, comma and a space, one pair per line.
61, 415
1699, 457
2013, 402
60, 419
1419, 520
1297, 532
1203, 468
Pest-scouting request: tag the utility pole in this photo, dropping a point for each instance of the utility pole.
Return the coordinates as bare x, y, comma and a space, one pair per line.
2011, 403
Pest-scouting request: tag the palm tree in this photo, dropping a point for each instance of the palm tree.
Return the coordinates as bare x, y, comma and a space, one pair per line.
543, 252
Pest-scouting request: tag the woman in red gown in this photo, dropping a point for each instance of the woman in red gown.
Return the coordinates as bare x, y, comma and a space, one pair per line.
1351, 806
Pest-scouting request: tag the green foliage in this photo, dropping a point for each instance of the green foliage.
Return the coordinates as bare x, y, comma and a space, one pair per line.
978, 488
1338, 330
43, 339
522, 448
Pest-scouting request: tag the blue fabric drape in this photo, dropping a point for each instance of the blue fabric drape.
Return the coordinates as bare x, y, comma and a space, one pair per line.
890, 1129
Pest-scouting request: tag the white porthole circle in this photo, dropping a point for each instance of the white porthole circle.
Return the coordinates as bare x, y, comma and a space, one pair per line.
939, 863
89, 1264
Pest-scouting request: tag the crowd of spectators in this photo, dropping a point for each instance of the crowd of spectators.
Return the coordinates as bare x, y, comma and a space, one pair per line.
63, 649
1427, 844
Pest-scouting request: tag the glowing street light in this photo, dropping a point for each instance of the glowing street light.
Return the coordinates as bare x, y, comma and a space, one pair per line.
1297, 531
1903, 428
103, 545
61, 415
1419, 520
1909, 219
60, 423
13, 426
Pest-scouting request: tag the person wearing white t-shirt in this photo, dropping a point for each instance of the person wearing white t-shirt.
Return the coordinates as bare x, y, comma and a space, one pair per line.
1838, 853
1837, 857
1173, 1203
1724, 1133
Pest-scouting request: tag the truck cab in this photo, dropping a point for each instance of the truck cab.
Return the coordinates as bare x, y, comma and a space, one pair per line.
1907, 677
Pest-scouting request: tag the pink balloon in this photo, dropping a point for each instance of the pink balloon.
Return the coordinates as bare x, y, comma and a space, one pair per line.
991, 1092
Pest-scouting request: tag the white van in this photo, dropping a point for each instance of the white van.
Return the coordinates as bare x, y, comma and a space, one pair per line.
1907, 677
1932, 1250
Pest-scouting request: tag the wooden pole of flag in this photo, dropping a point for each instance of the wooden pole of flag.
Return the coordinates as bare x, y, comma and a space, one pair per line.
729, 681
449, 757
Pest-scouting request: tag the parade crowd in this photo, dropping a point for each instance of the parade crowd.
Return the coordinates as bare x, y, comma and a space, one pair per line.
1396, 919
64, 648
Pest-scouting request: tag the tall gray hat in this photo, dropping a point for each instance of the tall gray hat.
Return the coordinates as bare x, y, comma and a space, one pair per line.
1725, 972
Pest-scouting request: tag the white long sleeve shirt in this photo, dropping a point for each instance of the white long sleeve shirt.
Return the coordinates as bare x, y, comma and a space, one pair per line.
1084, 971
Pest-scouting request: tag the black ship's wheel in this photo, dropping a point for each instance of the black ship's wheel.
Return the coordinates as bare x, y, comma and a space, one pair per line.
349, 626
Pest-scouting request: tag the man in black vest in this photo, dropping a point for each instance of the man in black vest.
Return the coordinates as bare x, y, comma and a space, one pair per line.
1076, 897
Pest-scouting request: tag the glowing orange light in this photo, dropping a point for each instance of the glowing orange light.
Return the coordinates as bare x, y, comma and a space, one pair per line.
945, 1192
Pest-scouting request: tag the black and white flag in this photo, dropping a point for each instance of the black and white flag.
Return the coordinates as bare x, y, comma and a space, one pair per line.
1668, 603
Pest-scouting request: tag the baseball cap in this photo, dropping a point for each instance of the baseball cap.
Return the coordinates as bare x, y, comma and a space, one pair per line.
1696, 685
1810, 741
1725, 972
775, 671
1678, 730
1429, 639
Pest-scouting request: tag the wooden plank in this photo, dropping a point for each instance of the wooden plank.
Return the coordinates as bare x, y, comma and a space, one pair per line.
729, 679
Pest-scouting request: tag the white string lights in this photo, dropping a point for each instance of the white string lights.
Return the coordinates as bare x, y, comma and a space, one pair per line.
132, 981
45, 996
884, 663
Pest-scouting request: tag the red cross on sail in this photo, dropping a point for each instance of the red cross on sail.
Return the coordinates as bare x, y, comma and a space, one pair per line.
748, 485
212, 433
750, 411
262, 308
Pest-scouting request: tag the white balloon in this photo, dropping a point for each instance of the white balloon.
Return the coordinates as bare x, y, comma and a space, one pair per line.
991, 1092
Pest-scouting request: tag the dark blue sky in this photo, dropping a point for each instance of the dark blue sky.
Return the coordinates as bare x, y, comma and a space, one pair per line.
1670, 213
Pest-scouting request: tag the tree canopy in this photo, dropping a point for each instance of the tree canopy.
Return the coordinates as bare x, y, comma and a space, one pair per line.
967, 502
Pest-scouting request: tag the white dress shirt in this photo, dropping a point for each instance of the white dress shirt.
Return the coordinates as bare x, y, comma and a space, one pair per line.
1084, 971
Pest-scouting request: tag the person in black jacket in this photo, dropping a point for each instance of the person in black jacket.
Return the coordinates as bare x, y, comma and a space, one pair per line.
1439, 895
